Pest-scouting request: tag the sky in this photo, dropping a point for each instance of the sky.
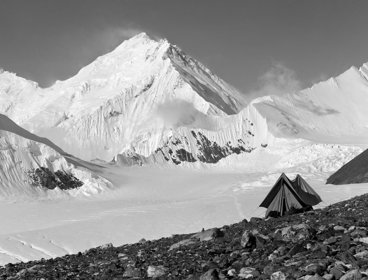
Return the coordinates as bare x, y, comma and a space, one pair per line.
251, 44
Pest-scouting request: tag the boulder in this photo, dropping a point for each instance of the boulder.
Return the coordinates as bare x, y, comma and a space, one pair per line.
132, 272
211, 274
247, 239
352, 275
156, 271
278, 275
208, 234
362, 255
315, 268
294, 233
184, 242
246, 272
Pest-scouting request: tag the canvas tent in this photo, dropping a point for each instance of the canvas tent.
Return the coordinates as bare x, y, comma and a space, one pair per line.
287, 194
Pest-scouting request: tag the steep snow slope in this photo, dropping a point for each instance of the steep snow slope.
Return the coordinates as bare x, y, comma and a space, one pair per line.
355, 171
334, 110
223, 136
116, 102
22, 152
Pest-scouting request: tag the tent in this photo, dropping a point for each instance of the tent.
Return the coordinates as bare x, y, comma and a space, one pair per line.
305, 191
287, 194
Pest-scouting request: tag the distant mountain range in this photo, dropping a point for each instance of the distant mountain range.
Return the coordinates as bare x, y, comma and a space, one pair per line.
148, 102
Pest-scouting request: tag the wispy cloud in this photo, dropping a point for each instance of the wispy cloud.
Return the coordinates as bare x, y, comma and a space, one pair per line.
179, 113
123, 33
278, 80
113, 36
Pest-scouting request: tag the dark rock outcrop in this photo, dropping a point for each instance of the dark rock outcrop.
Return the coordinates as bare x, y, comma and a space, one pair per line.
45, 178
355, 171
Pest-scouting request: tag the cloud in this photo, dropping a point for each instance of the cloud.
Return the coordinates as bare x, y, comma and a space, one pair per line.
278, 80
123, 33
179, 113
113, 36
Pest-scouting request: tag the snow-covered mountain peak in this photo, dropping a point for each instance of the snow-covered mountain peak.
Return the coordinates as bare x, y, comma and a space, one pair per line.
137, 40
114, 102
9, 79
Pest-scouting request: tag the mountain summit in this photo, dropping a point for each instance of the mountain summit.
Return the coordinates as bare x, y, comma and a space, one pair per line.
122, 100
149, 102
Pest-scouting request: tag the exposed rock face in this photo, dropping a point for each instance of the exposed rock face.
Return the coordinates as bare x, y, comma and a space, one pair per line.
45, 178
320, 244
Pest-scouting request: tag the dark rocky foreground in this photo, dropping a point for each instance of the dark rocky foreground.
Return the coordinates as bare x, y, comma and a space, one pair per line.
331, 243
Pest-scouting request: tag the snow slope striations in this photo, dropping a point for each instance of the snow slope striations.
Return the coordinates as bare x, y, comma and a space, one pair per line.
127, 100
149, 102
334, 110
34, 166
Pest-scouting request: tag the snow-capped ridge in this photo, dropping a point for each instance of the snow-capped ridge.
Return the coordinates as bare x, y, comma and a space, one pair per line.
23, 154
145, 95
112, 102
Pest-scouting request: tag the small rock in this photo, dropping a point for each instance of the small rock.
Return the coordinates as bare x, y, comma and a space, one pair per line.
231, 272
314, 277
281, 250
211, 274
105, 246
339, 228
359, 232
347, 257
315, 268
123, 256
247, 239
345, 242
132, 272
352, 275
322, 228
278, 275
256, 273
209, 234
328, 277
331, 240
269, 269
155, 271
297, 248
272, 257
336, 272
261, 240
246, 272
362, 255
364, 240
351, 228
185, 242
255, 220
